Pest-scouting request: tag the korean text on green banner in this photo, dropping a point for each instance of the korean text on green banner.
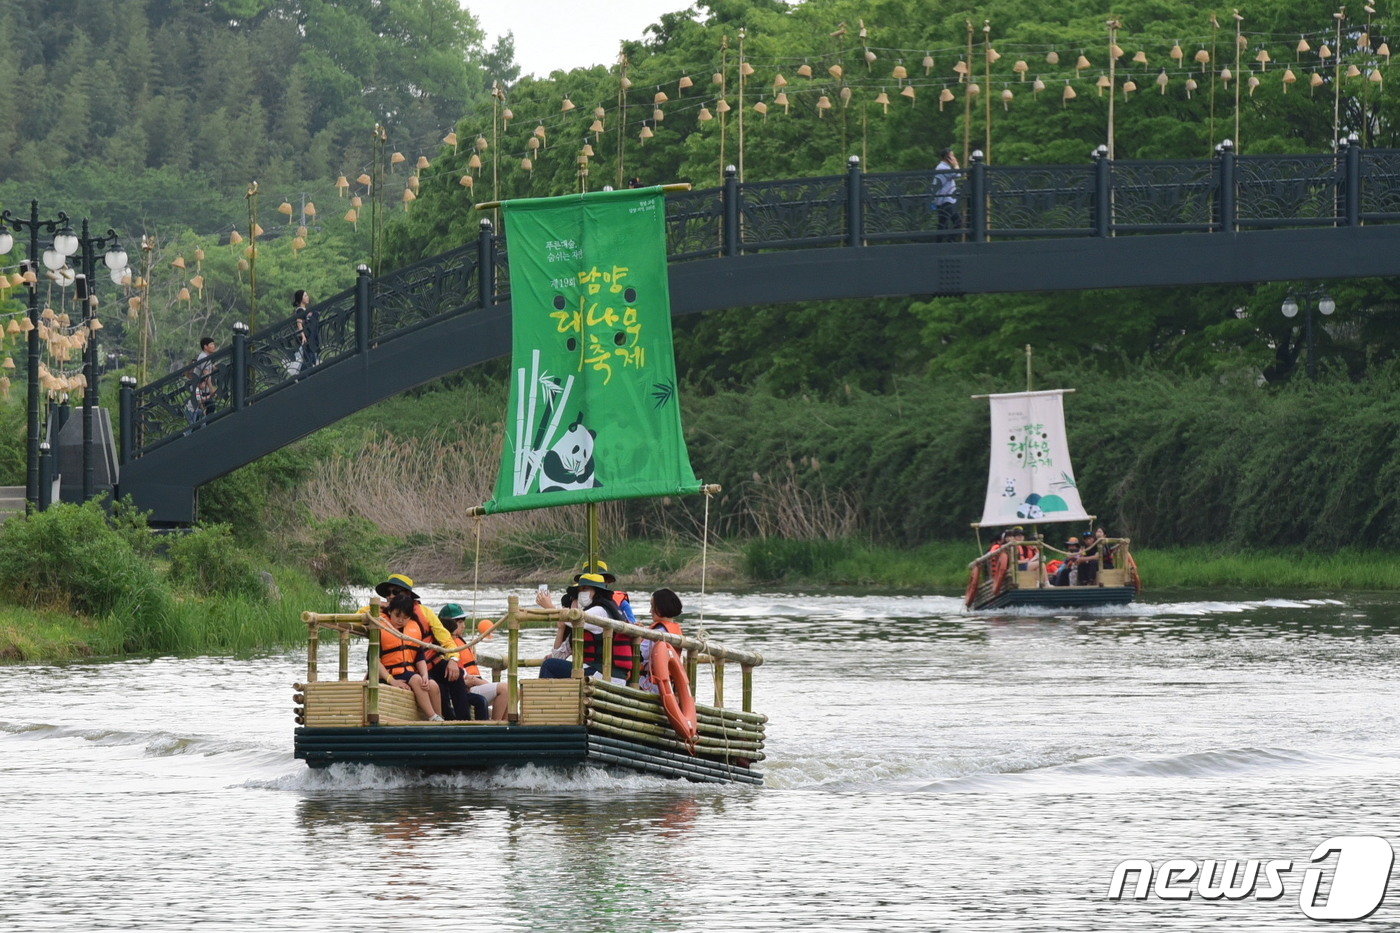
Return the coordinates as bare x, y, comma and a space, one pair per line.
593, 413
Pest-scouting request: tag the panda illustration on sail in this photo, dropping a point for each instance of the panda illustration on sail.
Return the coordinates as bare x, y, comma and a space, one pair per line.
559, 464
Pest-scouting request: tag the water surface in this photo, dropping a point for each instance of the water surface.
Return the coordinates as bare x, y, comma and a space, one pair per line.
928, 769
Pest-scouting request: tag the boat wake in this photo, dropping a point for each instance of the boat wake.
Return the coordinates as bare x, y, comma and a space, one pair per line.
1152, 610
571, 781
153, 744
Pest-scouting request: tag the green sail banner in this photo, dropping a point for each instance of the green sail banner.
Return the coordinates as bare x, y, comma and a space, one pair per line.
593, 413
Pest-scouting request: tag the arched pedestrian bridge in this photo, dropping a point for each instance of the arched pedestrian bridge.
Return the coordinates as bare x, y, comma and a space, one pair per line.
1104, 224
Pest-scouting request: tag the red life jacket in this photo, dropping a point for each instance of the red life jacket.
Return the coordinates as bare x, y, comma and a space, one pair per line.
1027, 552
395, 653
622, 646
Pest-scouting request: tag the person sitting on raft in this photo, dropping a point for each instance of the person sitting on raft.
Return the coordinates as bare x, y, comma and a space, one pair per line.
428, 621
1077, 570
481, 691
665, 606
624, 602
594, 597
401, 662
1025, 554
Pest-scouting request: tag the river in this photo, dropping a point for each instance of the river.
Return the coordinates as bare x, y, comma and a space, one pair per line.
928, 770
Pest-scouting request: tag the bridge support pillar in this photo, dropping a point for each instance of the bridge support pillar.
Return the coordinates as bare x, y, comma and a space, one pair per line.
240, 366
1225, 190
977, 198
1103, 193
1351, 182
731, 245
363, 319
486, 263
855, 221
127, 405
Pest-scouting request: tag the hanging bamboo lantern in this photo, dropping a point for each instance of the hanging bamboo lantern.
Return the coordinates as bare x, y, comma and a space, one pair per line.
198, 255
357, 201
823, 105
782, 101
1288, 78
599, 113
481, 144
1263, 58
945, 96
299, 243
198, 283
1252, 83
309, 209
846, 95
397, 157
1052, 57
1384, 50
1021, 68
900, 73
779, 81
178, 262
718, 78
1302, 46
1202, 58
566, 106
12, 327
26, 325
869, 58
883, 100
1128, 87
1081, 63
533, 143
539, 132
1037, 86
412, 183
1227, 76
761, 108
1315, 81
835, 71
257, 231
451, 140
704, 116
342, 184
993, 56
94, 324
626, 83
1102, 83
474, 163
586, 151
1191, 85
928, 64
658, 115
660, 98
422, 163
242, 267
352, 216
1140, 57
1353, 71
1363, 41
974, 89
47, 314
960, 69
746, 70
1116, 50
804, 70
467, 181
596, 126
723, 106
183, 294
908, 91
507, 115
1006, 97
1162, 80
685, 82
1176, 53
235, 238
1324, 53
1068, 94
285, 208
646, 132
408, 197
1375, 77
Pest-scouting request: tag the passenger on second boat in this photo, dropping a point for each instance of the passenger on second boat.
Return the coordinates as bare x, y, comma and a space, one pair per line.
665, 606
594, 596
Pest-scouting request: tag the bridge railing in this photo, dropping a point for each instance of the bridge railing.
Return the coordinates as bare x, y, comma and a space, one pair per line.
1228, 194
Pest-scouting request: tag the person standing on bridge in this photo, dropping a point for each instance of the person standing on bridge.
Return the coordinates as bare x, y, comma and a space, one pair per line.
945, 195
308, 328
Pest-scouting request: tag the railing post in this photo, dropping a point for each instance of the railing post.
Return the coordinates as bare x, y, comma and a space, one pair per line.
486, 263
730, 245
363, 319
1225, 179
240, 366
977, 195
127, 407
45, 476
1103, 193
855, 221
1352, 180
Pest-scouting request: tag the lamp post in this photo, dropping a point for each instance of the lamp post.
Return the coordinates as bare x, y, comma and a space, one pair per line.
1290, 309
61, 232
116, 260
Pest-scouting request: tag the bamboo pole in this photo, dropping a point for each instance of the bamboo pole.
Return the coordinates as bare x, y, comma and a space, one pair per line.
719, 681
634, 676
967, 100
700, 708
344, 672
615, 706
577, 631
513, 659
372, 673
986, 91
492, 205
607, 653
747, 670
656, 735
313, 647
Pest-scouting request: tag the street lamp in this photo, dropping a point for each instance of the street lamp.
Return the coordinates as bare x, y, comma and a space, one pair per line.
33, 225
115, 259
1325, 305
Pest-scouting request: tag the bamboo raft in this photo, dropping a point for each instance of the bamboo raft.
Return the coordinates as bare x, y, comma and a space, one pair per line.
994, 583
556, 722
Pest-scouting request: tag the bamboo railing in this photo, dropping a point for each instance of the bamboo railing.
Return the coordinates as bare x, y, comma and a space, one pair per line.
1117, 549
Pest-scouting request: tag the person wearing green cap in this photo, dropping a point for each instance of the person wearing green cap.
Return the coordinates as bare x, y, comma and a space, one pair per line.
479, 691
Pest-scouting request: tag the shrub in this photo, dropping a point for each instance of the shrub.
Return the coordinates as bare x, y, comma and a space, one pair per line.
343, 551
772, 559
207, 561
70, 558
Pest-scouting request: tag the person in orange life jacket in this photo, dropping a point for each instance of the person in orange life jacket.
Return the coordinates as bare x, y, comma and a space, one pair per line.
458, 702
665, 606
594, 597
428, 621
997, 541
401, 662
481, 691
1025, 554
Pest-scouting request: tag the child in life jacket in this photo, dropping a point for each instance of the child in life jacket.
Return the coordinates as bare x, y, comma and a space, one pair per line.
481, 690
401, 662
665, 606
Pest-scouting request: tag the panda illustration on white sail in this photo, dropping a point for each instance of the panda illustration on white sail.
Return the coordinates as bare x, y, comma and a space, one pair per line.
568, 465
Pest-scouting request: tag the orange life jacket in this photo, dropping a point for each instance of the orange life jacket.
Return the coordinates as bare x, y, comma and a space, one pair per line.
397, 654
1027, 552
466, 658
666, 625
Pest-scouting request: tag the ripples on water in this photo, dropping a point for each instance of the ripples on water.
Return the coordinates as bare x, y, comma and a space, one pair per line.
928, 769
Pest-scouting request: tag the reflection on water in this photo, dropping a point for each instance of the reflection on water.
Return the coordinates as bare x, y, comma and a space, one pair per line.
928, 769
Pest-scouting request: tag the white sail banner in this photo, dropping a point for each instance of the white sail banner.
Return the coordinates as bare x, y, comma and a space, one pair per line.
1030, 477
